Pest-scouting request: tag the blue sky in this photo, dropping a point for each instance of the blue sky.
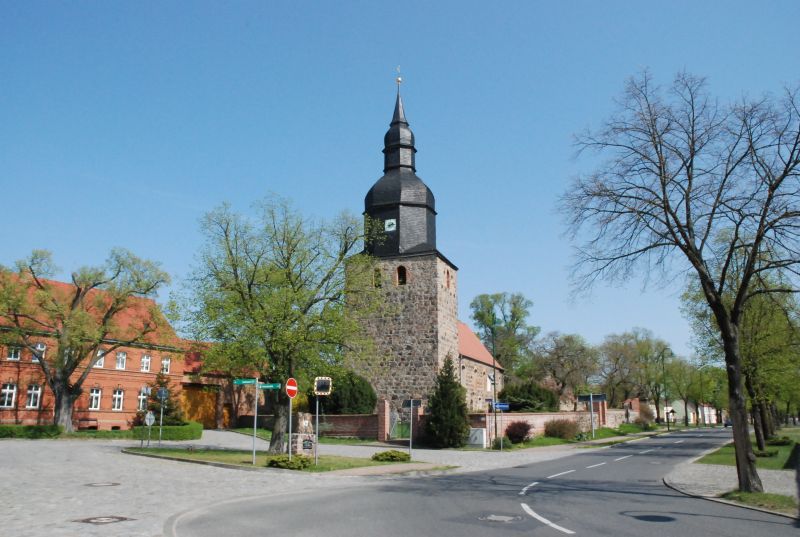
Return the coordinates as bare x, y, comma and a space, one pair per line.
122, 123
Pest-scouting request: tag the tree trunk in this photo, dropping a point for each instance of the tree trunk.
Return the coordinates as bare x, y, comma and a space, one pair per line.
686, 412
280, 425
64, 403
745, 458
766, 420
758, 427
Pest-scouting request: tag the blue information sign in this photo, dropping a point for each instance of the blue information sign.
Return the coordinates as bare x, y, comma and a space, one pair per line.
501, 406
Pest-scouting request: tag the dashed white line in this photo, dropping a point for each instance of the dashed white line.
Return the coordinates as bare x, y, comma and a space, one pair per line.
543, 520
645, 451
678, 441
596, 465
525, 490
625, 457
562, 473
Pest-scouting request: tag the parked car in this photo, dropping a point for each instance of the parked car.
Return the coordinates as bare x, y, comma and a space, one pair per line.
728, 423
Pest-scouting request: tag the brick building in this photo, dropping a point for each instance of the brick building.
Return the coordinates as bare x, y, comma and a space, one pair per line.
114, 389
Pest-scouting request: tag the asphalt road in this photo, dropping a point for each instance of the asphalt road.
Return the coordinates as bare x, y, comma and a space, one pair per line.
613, 491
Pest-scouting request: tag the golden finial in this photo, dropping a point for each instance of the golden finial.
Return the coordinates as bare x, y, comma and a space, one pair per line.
399, 78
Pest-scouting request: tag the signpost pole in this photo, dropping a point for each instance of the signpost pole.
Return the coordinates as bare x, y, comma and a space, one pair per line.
501, 428
316, 431
290, 428
591, 411
255, 423
161, 423
410, 428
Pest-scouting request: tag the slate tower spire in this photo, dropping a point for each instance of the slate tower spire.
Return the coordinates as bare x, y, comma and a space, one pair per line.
399, 202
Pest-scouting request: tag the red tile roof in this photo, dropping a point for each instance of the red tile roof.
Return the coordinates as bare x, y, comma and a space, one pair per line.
129, 321
471, 347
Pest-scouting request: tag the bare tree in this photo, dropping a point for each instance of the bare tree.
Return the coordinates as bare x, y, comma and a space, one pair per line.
692, 184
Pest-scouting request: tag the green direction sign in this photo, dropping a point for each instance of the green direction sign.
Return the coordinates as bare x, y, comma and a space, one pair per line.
239, 382
273, 386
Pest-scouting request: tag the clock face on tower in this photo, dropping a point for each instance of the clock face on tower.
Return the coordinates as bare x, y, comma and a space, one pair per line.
390, 224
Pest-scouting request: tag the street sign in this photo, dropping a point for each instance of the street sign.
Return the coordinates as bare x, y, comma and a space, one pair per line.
163, 393
592, 397
408, 402
149, 419
291, 388
239, 382
501, 406
271, 386
323, 386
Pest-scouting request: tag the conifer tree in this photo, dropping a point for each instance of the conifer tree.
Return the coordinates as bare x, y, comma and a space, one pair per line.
447, 423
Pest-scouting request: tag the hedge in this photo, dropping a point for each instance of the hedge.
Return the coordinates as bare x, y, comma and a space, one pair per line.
29, 431
191, 431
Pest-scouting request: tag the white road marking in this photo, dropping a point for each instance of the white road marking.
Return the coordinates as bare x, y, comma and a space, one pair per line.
678, 441
645, 451
596, 465
562, 473
544, 520
625, 457
525, 490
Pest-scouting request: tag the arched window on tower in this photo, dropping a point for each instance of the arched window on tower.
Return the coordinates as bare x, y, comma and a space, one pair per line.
377, 278
402, 276
447, 279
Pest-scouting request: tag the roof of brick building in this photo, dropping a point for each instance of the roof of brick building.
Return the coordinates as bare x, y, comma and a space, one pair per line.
471, 347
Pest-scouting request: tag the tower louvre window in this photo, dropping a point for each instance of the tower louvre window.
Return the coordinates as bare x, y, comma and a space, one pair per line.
402, 275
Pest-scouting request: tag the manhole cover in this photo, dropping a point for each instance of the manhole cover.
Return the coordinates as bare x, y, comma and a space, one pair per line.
505, 519
103, 484
100, 520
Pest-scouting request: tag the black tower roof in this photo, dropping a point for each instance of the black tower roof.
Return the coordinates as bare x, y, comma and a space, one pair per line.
401, 196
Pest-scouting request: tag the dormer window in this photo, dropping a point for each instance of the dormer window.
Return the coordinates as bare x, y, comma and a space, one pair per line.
402, 276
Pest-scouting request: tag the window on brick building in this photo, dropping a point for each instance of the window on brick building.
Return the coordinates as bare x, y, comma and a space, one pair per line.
94, 398
402, 275
101, 358
165, 363
41, 349
8, 395
34, 396
142, 398
116, 399
145, 363
121, 359
14, 353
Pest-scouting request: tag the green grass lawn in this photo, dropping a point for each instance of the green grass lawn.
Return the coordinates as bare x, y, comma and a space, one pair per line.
725, 455
327, 463
265, 434
773, 502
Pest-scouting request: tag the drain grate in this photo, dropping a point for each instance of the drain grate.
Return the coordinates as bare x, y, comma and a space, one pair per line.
100, 520
102, 484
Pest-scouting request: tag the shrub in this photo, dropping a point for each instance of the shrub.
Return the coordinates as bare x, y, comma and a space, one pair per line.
529, 397
564, 429
766, 453
30, 431
392, 455
646, 416
351, 394
191, 431
298, 462
518, 431
506, 443
782, 441
447, 423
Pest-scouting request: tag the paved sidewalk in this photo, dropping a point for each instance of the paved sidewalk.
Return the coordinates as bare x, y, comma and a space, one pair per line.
712, 480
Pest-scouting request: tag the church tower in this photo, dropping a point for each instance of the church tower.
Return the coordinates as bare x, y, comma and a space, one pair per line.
418, 327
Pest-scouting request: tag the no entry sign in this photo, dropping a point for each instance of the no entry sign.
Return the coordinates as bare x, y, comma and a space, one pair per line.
291, 388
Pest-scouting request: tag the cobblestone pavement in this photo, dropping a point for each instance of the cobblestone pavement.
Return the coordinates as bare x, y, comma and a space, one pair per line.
49, 486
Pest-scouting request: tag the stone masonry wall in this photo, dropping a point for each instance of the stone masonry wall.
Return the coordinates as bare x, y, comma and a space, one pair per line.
447, 318
406, 334
474, 376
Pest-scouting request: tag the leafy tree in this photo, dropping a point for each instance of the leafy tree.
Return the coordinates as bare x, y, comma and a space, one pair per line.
682, 381
501, 320
447, 422
173, 413
351, 394
79, 318
529, 396
270, 292
618, 369
692, 184
567, 361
